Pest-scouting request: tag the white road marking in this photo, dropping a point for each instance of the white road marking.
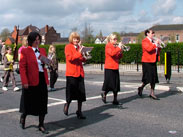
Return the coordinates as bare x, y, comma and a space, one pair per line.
61, 101
134, 85
9, 110
123, 84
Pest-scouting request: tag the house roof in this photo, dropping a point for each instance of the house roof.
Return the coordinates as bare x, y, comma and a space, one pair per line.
11, 39
32, 28
101, 38
42, 30
167, 27
129, 34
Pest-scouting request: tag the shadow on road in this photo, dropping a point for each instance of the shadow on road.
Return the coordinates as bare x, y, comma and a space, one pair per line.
70, 124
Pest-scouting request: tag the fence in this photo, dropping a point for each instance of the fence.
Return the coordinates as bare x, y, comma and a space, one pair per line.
136, 63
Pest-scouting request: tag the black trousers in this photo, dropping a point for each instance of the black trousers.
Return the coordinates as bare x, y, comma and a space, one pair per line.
53, 78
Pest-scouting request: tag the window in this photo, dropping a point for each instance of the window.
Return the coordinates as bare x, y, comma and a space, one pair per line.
43, 37
161, 37
177, 38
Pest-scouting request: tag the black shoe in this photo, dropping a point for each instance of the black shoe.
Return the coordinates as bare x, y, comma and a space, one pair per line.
115, 103
43, 130
80, 115
154, 97
103, 97
140, 91
65, 110
22, 122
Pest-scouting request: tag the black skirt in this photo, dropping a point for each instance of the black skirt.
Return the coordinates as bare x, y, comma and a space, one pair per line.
34, 100
149, 73
75, 89
111, 81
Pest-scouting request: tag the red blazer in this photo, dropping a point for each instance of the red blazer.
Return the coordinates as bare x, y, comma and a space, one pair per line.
29, 71
112, 56
74, 59
149, 51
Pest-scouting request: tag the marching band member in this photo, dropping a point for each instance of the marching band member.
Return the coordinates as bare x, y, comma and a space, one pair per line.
34, 80
75, 87
150, 55
113, 54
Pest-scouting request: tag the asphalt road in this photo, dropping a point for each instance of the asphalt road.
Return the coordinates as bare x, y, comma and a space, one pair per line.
136, 117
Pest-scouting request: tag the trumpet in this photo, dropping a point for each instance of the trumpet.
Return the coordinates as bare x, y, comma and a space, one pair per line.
123, 47
161, 43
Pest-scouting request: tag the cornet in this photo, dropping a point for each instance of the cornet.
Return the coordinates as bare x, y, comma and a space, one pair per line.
162, 44
123, 47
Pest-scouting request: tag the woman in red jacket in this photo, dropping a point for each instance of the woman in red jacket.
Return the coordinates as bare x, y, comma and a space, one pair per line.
150, 55
34, 80
75, 87
113, 54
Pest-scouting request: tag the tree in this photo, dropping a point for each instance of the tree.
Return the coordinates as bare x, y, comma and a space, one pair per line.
140, 37
4, 34
74, 29
118, 36
100, 35
87, 35
122, 33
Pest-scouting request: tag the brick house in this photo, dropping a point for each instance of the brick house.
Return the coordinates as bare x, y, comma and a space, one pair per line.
173, 31
128, 38
48, 34
61, 41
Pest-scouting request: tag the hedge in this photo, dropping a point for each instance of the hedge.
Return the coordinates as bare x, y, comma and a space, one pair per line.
131, 56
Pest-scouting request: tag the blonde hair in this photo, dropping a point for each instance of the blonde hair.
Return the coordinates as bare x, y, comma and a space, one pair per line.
111, 36
24, 42
74, 35
52, 49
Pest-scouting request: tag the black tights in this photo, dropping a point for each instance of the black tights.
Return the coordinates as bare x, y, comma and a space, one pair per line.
79, 105
114, 93
41, 119
152, 86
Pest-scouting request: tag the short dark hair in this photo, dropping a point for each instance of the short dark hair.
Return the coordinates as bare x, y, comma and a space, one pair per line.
148, 31
32, 37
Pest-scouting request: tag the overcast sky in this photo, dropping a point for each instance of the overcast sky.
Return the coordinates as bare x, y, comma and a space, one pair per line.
105, 15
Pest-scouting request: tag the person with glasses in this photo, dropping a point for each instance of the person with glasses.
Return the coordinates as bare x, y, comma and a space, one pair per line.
113, 53
150, 55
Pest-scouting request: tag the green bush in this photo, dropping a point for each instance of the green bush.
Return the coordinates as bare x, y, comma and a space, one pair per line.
131, 56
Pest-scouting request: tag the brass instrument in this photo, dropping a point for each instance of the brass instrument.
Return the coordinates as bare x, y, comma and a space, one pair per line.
161, 43
85, 51
123, 47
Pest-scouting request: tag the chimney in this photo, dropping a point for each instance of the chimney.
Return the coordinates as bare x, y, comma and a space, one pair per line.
46, 29
15, 28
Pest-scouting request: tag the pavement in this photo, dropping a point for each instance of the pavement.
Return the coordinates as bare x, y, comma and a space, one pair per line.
175, 83
131, 70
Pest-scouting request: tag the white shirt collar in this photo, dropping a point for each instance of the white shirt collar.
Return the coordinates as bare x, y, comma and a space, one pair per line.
149, 39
